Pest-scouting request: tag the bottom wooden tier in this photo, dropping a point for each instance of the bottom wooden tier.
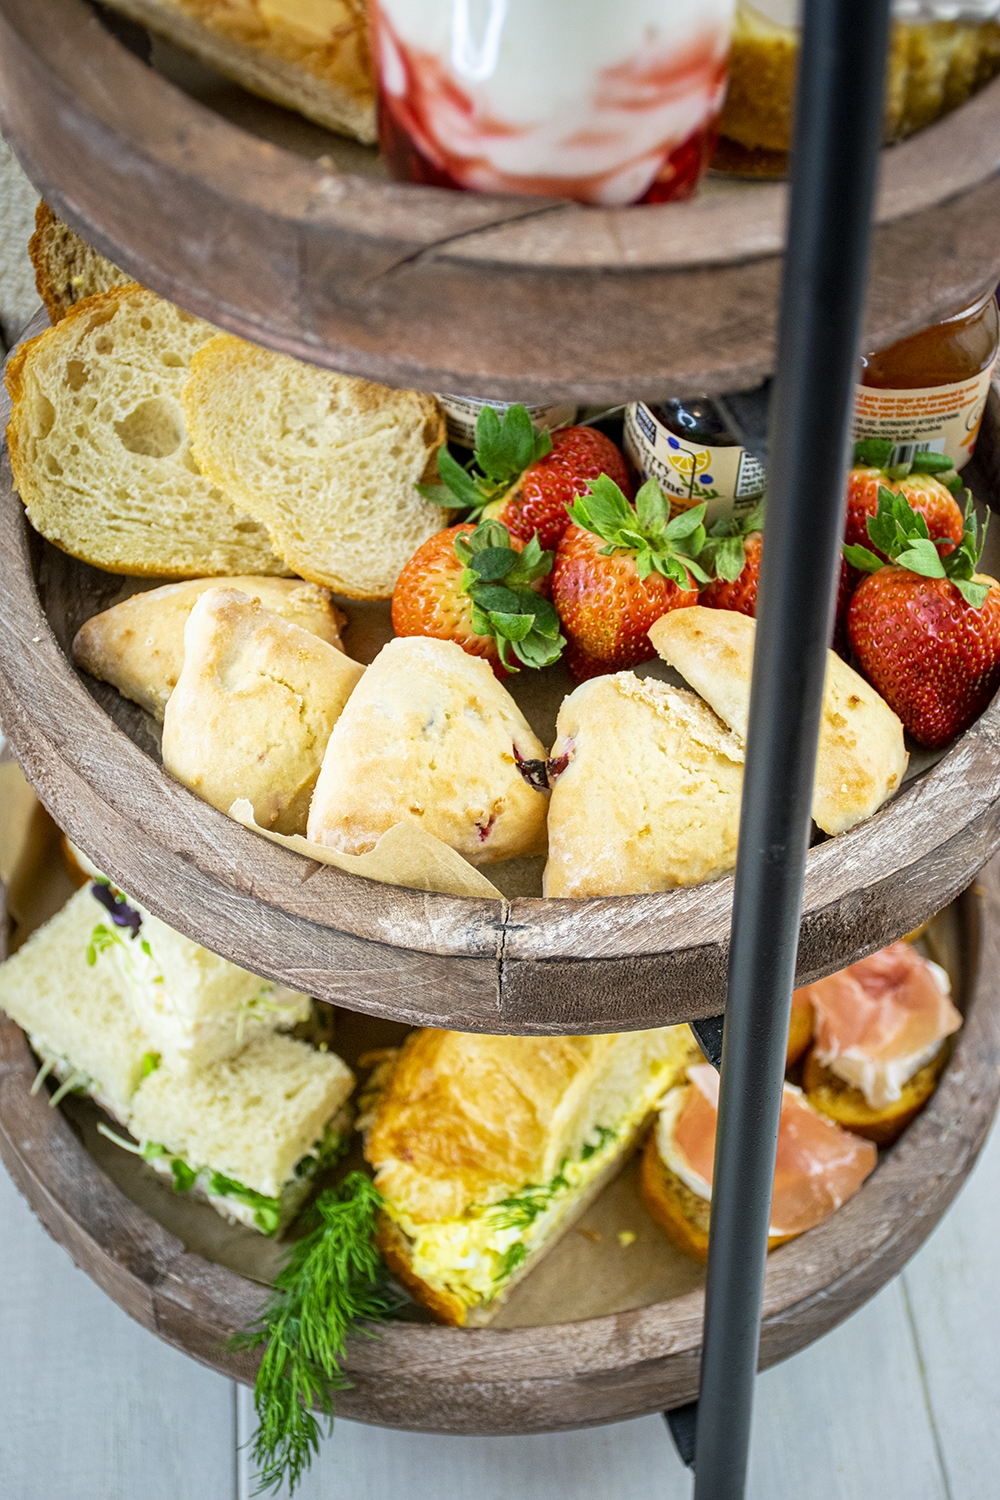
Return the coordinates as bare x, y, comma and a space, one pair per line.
600, 1331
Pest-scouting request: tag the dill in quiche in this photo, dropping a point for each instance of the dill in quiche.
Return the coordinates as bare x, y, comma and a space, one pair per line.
333, 1282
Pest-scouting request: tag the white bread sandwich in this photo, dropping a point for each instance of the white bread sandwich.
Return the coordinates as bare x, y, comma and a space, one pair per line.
253, 708
430, 736
138, 645
328, 463
861, 759
880, 1031
194, 1007
67, 269
77, 1014
250, 1133
309, 55
646, 785
818, 1166
99, 449
487, 1148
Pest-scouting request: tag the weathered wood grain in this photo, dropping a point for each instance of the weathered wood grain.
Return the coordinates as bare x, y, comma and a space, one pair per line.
528, 298
547, 1378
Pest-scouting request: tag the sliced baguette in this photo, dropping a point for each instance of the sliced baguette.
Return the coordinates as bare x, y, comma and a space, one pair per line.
327, 462
67, 269
309, 55
99, 450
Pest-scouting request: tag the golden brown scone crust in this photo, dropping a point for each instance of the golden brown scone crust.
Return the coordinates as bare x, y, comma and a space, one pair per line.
138, 645
848, 1107
650, 798
861, 757
253, 708
429, 737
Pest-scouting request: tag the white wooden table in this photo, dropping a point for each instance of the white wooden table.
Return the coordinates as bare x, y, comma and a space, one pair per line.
899, 1403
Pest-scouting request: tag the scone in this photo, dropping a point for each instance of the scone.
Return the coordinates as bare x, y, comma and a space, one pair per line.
646, 785
862, 758
328, 463
100, 453
253, 708
138, 645
431, 736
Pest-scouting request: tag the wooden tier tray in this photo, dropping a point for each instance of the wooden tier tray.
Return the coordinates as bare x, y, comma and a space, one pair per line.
521, 964
598, 1332
526, 298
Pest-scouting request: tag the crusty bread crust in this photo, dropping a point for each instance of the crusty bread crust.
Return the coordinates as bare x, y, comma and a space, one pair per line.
67, 269
678, 1211
323, 69
849, 1108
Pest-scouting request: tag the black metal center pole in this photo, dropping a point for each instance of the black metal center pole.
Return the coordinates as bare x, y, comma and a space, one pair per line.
834, 163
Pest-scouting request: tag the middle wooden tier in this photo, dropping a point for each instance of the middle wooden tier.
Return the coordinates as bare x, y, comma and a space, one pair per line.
517, 964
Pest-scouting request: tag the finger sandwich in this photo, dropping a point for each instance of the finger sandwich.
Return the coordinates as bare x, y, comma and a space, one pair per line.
486, 1149
194, 1007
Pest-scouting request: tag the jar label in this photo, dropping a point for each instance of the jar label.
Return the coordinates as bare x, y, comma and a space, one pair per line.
938, 418
462, 413
729, 480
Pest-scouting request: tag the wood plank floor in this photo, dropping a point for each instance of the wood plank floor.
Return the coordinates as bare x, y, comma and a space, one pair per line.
899, 1403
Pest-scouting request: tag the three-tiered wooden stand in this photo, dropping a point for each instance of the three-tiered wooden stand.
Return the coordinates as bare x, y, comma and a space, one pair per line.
523, 299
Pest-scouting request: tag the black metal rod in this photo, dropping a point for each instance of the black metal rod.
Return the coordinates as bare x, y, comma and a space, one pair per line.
834, 165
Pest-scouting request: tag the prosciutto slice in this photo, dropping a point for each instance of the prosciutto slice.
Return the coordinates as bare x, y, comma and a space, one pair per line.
818, 1166
891, 1006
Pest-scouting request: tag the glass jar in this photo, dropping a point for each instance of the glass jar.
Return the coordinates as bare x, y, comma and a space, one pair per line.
688, 446
602, 103
462, 413
929, 391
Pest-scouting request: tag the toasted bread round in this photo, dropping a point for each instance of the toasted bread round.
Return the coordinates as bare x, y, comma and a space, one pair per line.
99, 449
800, 1033
682, 1214
327, 462
848, 1107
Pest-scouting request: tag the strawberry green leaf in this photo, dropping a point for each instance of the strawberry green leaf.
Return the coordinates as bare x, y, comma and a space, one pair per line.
493, 596
860, 557
463, 487
972, 593
651, 507
547, 621
507, 445
931, 463
513, 627
480, 620
439, 494
729, 558
923, 558
873, 453
687, 523
492, 563
537, 651
953, 482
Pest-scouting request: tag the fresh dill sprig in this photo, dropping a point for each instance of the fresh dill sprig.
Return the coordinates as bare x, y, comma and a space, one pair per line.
526, 1205
333, 1282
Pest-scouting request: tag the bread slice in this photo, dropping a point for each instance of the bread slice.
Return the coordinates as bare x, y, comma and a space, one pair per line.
253, 709
847, 1106
67, 269
309, 55
681, 1213
194, 1007
327, 462
248, 1133
431, 736
862, 757
77, 1015
486, 1149
648, 797
138, 645
99, 450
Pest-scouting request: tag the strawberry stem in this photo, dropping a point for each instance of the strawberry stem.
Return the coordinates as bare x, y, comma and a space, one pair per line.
901, 533
498, 580
668, 547
505, 447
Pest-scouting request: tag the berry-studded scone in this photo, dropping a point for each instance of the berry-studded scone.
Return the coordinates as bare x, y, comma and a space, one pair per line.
646, 788
430, 736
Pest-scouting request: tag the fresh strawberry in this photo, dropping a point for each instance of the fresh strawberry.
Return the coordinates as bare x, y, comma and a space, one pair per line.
480, 587
925, 629
524, 478
731, 556
617, 570
929, 483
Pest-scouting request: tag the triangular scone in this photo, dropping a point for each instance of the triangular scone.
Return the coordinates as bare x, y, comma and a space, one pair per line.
253, 708
138, 645
861, 758
100, 452
650, 795
328, 462
431, 735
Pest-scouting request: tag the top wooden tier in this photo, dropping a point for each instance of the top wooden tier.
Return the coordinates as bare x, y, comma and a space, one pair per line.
523, 298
